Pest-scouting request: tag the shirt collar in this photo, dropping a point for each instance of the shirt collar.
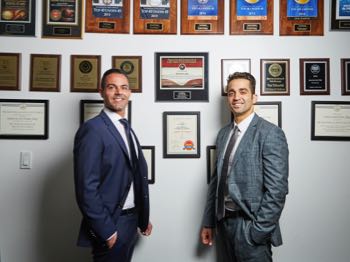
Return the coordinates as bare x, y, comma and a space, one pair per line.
243, 126
113, 116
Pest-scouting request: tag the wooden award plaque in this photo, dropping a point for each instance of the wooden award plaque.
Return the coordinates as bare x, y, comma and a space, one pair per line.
202, 17
155, 16
302, 19
251, 18
107, 17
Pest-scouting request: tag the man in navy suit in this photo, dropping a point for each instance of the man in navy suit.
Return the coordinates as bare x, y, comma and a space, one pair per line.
248, 189
110, 174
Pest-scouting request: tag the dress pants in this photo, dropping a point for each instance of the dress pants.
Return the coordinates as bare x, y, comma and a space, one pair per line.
236, 243
126, 239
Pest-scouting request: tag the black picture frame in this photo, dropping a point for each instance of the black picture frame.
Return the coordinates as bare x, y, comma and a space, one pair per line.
19, 19
182, 130
264, 108
340, 22
95, 107
23, 124
211, 158
190, 86
330, 120
345, 76
149, 154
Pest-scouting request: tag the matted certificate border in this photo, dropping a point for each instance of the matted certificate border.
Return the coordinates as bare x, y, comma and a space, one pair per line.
330, 120
345, 76
149, 154
211, 158
57, 73
181, 138
230, 66
270, 111
185, 93
25, 121
303, 78
90, 108
16, 57
129, 64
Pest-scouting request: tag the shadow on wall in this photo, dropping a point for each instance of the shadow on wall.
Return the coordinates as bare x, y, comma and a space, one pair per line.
59, 216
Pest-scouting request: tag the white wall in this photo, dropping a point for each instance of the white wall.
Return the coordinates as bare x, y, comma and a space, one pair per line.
38, 215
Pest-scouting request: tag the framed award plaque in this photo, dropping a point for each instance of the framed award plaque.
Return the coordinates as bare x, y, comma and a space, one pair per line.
345, 76
340, 15
132, 67
10, 64
107, 16
301, 17
155, 16
230, 66
62, 19
17, 17
202, 17
181, 135
314, 76
85, 73
274, 77
251, 17
45, 73
181, 77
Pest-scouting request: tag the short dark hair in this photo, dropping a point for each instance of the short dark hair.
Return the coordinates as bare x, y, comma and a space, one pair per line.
243, 75
109, 72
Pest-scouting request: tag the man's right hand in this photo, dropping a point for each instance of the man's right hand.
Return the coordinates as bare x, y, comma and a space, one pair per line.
112, 240
207, 236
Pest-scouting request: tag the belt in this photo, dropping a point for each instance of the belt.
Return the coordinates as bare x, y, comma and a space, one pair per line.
128, 211
233, 214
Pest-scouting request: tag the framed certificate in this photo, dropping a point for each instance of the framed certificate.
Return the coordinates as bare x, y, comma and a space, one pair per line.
181, 77
274, 77
340, 15
17, 18
202, 17
107, 16
91, 108
301, 17
24, 119
230, 66
251, 17
181, 135
85, 73
132, 67
149, 154
10, 71
345, 76
270, 111
45, 71
155, 16
314, 76
330, 120
62, 19
211, 158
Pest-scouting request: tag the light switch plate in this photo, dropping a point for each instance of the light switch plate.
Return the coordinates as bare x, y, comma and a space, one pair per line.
26, 160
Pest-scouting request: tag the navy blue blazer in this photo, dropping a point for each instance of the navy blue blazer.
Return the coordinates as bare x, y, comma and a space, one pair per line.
258, 180
102, 176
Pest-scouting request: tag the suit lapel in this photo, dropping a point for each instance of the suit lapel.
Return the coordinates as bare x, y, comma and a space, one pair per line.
246, 140
113, 130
